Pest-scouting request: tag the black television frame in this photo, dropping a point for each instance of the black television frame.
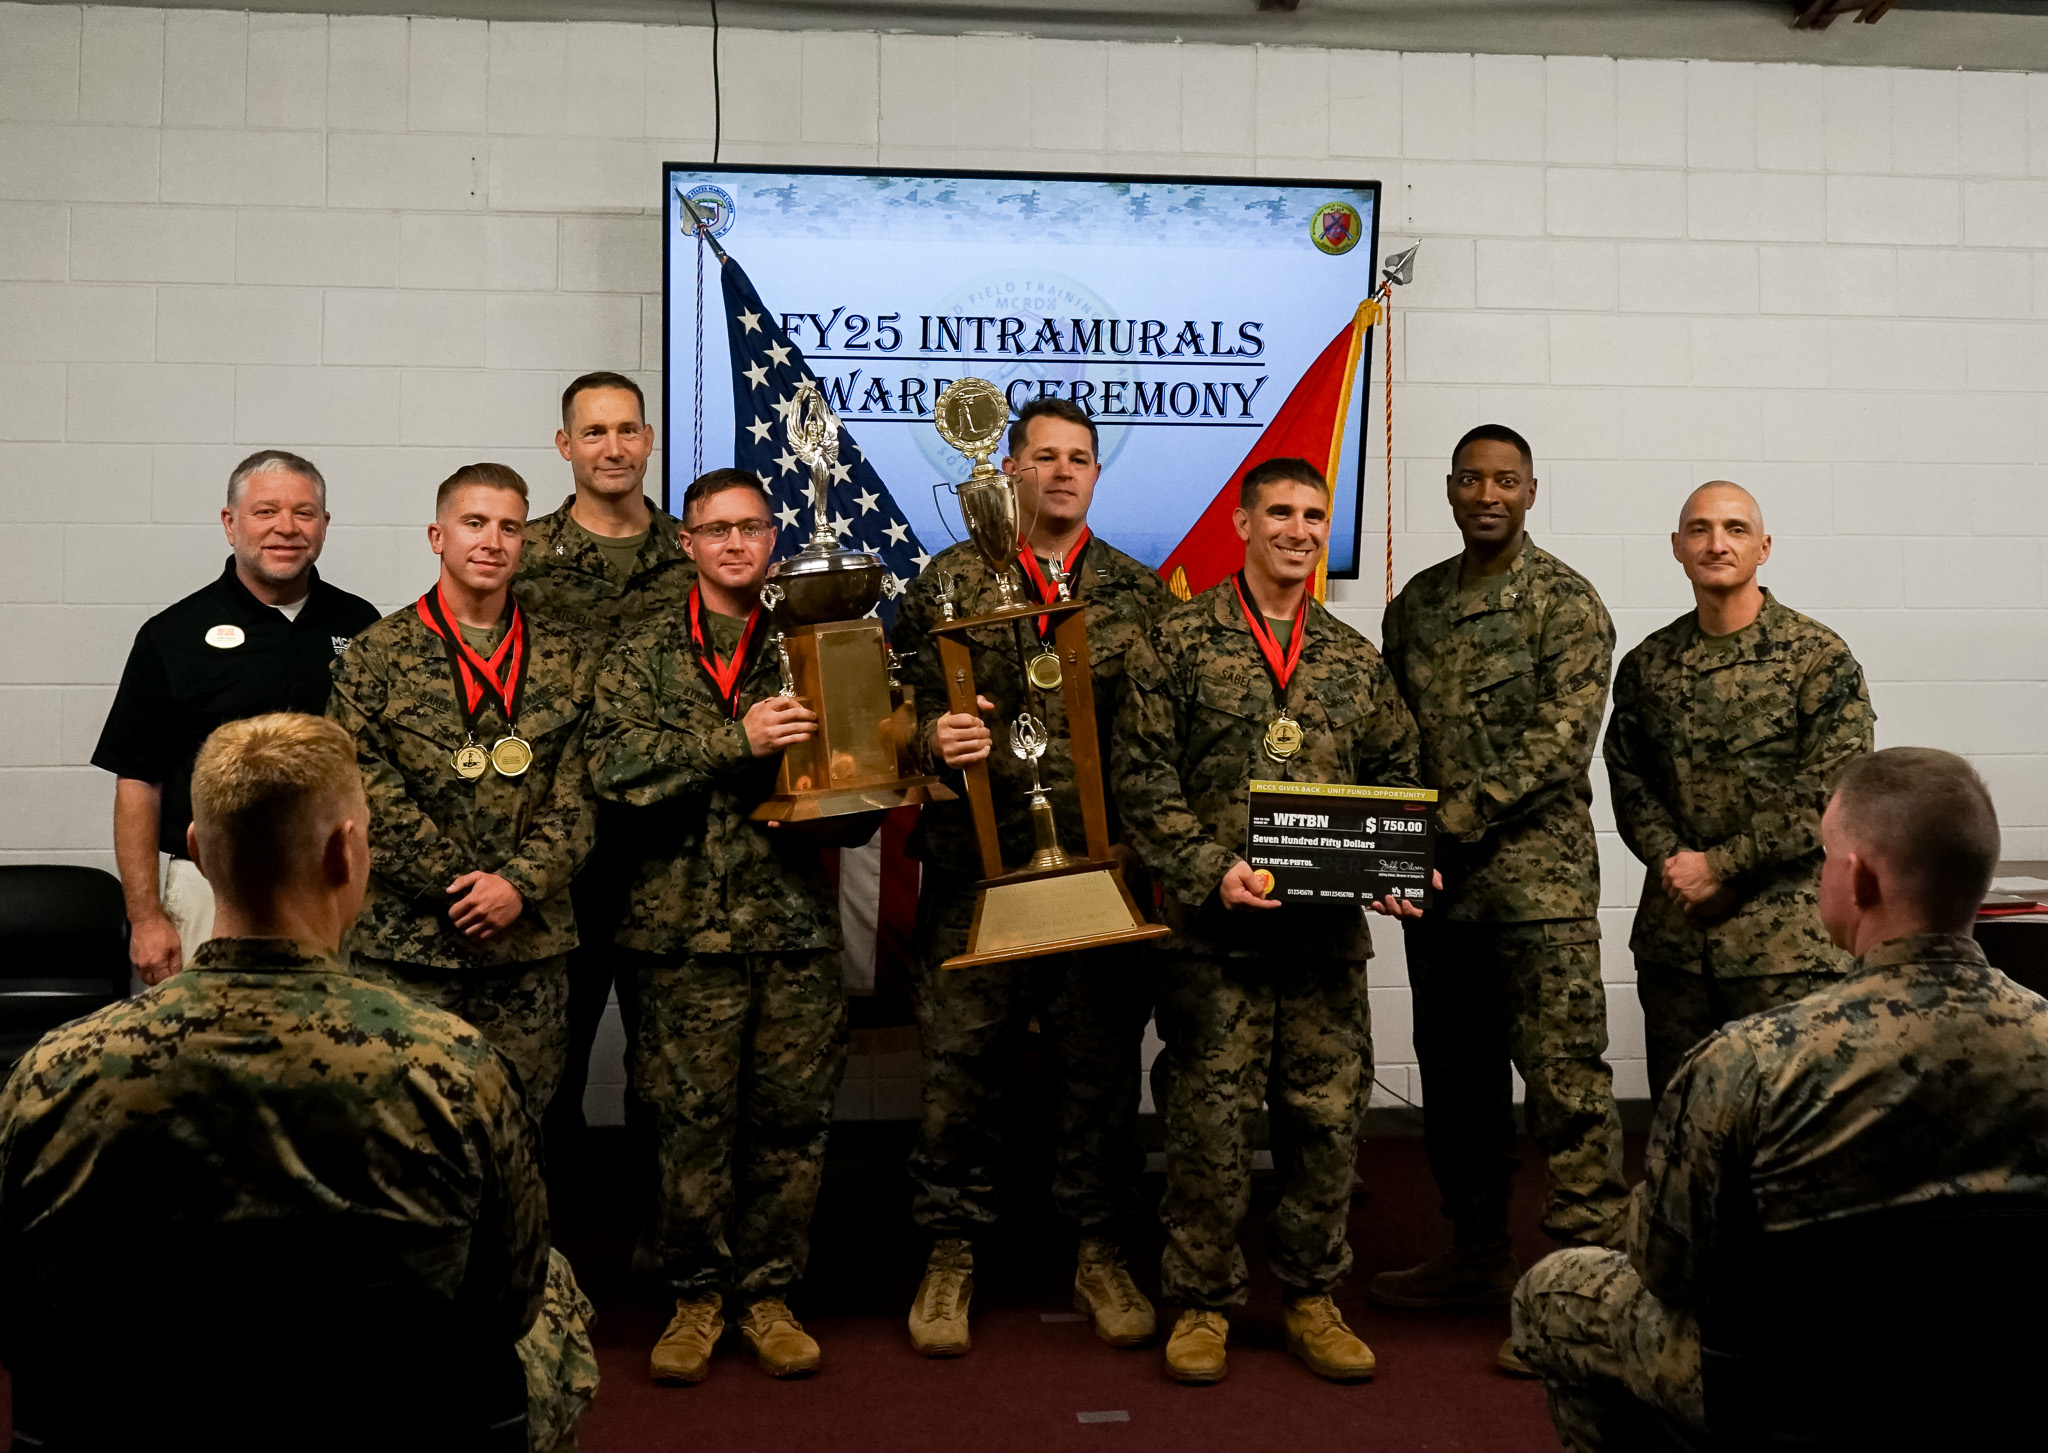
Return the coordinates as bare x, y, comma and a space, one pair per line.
668, 239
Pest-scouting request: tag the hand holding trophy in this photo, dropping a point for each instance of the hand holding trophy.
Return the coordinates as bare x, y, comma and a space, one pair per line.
833, 656
1058, 901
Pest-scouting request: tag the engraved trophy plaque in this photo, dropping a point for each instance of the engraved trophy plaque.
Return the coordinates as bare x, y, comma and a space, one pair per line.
834, 657
1059, 900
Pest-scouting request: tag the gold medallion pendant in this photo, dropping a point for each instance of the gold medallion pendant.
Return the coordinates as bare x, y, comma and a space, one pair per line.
1044, 671
470, 761
511, 756
1283, 737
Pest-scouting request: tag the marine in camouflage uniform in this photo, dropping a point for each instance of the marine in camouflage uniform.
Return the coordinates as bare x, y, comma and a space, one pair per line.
1816, 1110
1727, 746
269, 1112
734, 940
1253, 1006
1507, 677
1091, 1006
395, 694
586, 583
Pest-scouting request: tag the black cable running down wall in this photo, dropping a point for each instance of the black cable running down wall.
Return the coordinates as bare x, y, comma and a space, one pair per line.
717, 91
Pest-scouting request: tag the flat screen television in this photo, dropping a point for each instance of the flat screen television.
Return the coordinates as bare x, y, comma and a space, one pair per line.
1179, 311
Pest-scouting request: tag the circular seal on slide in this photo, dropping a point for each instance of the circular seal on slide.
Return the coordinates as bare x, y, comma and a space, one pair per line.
716, 205
1336, 228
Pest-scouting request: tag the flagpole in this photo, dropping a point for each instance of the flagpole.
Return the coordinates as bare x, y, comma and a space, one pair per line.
701, 225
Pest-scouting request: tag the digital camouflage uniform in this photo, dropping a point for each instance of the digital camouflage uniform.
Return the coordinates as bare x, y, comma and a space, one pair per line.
1507, 677
1254, 1005
1729, 746
1091, 1007
1819, 1109
267, 1100
735, 940
396, 695
565, 576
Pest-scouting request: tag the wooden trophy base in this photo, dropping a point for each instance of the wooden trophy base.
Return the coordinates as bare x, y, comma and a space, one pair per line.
862, 759
810, 806
1084, 905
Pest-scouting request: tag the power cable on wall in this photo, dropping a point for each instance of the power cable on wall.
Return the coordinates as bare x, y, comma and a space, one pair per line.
717, 90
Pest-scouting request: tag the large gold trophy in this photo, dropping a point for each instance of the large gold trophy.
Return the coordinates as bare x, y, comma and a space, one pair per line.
1058, 901
834, 657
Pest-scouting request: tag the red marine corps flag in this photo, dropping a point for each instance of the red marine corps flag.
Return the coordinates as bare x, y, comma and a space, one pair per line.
1310, 425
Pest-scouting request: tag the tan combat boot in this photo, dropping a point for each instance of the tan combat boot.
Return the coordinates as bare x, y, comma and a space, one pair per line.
1481, 1275
1317, 1335
1512, 1362
1104, 1290
778, 1339
938, 1318
683, 1355
1194, 1353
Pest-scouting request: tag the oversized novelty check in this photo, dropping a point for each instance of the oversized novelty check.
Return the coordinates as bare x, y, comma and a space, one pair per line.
1331, 843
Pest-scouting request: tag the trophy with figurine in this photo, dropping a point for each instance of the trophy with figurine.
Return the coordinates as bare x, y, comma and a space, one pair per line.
834, 657
1060, 899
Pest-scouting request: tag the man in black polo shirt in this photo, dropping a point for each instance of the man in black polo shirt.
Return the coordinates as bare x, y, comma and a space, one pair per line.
261, 638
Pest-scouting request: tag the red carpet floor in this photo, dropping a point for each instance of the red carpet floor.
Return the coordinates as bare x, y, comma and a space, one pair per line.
1035, 1371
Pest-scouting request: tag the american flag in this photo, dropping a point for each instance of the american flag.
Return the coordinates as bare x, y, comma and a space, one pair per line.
766, 369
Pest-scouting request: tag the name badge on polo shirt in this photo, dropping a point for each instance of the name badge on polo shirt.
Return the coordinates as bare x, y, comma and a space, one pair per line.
225, 638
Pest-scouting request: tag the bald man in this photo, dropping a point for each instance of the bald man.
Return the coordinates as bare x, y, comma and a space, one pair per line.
1730, 725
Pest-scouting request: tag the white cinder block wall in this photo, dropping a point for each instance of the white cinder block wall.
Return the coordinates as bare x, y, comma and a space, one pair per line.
388, 243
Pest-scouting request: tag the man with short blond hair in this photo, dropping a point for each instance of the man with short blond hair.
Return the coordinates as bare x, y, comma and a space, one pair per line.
264, 1110
1729, 725
261, 638
1915, 1079
468, 713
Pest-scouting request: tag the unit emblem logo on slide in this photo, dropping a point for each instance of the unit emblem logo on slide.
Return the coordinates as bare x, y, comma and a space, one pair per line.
1336, 228
716, 205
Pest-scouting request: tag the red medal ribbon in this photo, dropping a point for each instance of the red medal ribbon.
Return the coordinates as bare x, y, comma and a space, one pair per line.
725, 675
502, 676
1047, 591
1269, 647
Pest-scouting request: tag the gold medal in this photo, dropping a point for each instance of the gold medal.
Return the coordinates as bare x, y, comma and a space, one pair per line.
1283, 737
511, 756
1044, 671
470, 761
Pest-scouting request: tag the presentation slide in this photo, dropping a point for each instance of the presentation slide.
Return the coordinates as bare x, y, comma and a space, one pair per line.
1180, 313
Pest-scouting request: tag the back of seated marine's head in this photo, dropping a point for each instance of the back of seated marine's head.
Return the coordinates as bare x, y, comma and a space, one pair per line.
1912, 841
279, 827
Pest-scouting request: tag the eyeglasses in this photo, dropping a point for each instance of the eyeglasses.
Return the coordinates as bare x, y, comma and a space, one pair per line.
719, 531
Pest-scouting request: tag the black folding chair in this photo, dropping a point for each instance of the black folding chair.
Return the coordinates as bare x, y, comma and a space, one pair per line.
1910, 1328
63, 950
